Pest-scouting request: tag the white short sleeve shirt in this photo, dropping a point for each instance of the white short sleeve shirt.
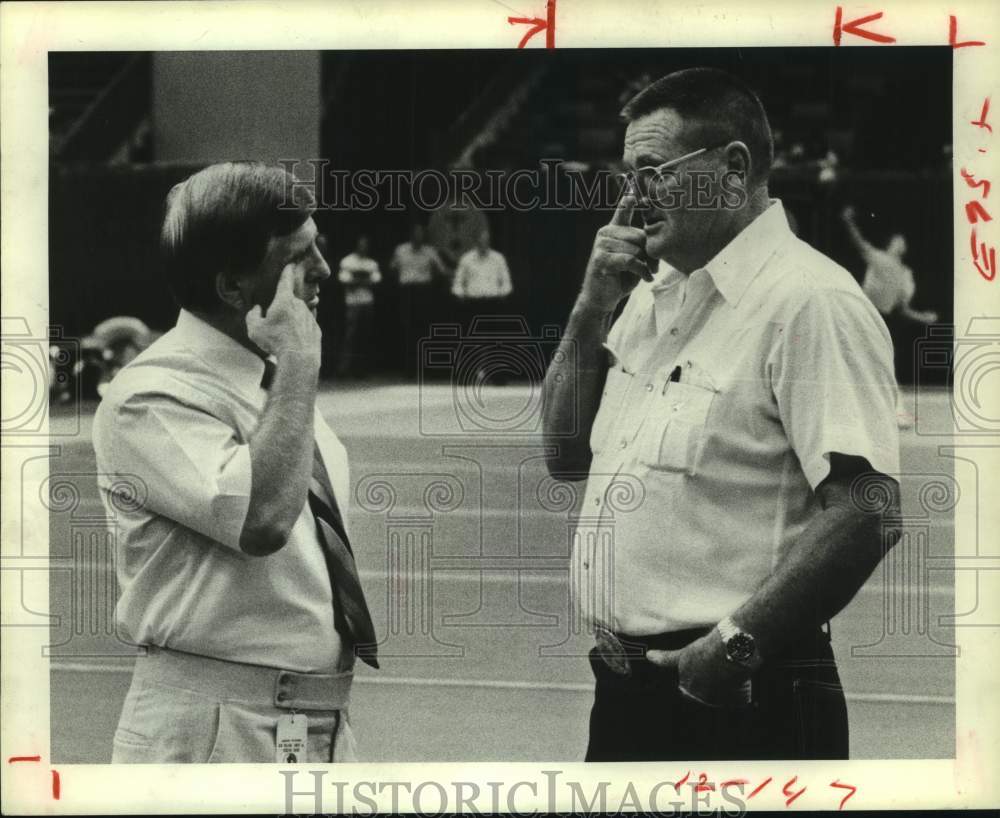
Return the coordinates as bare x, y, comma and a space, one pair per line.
729, 389
482, 275
176, 423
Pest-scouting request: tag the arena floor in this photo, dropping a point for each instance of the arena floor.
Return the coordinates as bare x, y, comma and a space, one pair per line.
483, 662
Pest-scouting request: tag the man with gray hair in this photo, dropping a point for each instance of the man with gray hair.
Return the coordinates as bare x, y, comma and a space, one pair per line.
749, 394
235, 567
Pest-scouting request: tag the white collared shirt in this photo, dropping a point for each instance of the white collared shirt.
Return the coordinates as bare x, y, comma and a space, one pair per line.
177, 422
699, 485
482, 275
416, 265
359, 274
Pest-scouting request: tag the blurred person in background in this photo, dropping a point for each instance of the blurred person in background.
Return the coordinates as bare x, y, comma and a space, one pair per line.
888, 282
119, 340
419, 267
890, 285
482, 280
359, 274
229, 494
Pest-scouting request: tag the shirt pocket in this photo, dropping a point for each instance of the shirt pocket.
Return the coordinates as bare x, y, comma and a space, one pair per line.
616, 386
673, 436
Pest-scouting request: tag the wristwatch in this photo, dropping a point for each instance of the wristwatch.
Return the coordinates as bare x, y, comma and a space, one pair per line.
741, 648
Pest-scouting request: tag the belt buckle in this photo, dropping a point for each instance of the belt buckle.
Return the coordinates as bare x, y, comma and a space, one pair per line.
612, 651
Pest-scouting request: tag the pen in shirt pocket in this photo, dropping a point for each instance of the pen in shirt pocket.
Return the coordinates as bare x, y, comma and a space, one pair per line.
674, 377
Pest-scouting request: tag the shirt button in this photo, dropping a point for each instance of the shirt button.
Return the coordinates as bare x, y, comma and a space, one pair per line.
649, 387
623, 444
586, 564
673, 330
597, 501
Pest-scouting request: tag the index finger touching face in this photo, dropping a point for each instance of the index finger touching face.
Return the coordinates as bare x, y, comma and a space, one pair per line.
286, 281
623, 213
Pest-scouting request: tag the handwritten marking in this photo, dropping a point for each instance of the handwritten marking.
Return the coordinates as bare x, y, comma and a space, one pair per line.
975, 212
851, 787
981, 122
704, 784
854, 27
953, 35
56, 787
970, 180
982, 256
548, 25
786, 790
987, 255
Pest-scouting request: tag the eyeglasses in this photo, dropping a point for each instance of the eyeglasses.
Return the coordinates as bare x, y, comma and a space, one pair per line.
640, 179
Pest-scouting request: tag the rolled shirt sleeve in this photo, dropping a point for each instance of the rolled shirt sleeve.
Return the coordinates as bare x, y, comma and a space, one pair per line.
196, 471
833, 379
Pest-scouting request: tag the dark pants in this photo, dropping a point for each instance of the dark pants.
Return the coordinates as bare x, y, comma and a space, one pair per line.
355, 357
797, 710
416, 313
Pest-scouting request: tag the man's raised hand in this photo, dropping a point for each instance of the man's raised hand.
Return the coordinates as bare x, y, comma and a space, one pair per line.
288, 325
617, 261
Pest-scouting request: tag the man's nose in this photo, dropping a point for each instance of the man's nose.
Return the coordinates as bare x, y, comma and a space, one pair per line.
320, 271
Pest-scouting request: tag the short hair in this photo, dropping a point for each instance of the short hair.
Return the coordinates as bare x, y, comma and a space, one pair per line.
717, 107
221, 220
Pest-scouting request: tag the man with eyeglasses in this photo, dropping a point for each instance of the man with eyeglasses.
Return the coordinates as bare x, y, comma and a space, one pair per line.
739, 444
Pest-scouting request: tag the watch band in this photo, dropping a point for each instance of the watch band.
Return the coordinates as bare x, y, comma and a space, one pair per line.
727, 628
740, 646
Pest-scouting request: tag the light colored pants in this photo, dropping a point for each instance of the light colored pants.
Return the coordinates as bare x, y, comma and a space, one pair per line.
183, 708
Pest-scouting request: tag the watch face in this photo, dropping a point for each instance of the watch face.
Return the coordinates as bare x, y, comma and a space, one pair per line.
740, 647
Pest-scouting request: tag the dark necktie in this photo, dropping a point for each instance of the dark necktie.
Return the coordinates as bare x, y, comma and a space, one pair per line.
351, 616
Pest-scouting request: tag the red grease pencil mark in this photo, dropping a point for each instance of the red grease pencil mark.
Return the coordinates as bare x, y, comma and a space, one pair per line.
984, 254
850, 787
56, 789
786, 791
854, 27
981, 122
548, 25
975, 212
703, 784
760, 787
953, 35
970, 180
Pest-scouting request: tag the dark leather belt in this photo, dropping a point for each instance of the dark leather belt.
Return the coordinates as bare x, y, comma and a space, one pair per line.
626, 655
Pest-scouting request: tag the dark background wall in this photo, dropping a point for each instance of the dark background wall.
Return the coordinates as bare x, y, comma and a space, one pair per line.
886, 113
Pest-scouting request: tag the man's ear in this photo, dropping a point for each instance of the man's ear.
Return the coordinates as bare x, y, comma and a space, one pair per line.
227, 287
738, 160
